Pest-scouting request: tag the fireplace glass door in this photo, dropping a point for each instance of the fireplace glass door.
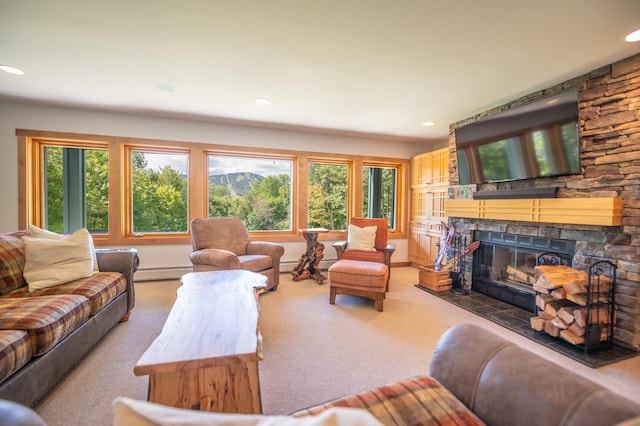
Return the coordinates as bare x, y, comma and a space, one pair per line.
503, 265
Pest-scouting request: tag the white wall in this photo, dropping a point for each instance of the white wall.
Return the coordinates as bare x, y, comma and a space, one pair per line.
23, 115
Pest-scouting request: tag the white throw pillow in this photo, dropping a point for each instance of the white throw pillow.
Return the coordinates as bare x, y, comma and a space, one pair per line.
46, 234
361, 239
52, 262
131, 412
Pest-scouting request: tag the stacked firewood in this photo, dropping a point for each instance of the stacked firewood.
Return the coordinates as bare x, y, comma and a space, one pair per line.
562, 303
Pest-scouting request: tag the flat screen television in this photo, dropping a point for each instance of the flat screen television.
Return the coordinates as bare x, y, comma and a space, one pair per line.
538, 139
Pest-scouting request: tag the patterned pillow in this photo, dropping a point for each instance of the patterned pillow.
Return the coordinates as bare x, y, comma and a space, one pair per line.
12, 260
420, 400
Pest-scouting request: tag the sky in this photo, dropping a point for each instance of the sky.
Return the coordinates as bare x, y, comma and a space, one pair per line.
222, 164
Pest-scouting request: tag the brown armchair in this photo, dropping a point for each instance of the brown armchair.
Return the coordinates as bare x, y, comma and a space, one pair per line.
223, 243
383, 250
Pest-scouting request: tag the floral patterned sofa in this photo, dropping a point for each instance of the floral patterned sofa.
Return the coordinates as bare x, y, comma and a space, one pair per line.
44, 332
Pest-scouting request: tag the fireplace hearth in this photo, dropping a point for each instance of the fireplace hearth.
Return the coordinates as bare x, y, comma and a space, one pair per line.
503, 265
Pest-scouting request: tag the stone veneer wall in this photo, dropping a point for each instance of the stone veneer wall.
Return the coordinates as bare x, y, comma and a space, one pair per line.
609, 105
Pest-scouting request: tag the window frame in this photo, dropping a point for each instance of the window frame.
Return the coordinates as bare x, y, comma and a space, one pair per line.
401, 183
207, 153
127, 223
30, 169
350, 187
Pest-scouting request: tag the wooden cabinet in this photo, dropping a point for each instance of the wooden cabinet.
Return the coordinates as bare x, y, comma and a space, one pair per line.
431, 168
429, 183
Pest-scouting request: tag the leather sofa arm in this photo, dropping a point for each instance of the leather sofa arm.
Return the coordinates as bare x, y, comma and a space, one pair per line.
125, 261
504, 384
214, 260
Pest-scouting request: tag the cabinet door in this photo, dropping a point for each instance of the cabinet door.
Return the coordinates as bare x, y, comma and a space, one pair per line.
432, 247
416, 253
436, 198
440, 167
420, 203
421, 170
419, 246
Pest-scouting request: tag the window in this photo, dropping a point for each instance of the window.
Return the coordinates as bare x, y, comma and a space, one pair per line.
379, 193
160, 183
141, 191
258, 190
75, 183
328, 185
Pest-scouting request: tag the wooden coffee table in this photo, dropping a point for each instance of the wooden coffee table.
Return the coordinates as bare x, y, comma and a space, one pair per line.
206, 356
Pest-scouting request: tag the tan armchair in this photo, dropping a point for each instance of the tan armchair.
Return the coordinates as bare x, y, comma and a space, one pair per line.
223, 243
383, 251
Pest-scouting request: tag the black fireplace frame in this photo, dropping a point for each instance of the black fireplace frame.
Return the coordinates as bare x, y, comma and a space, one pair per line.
515, 295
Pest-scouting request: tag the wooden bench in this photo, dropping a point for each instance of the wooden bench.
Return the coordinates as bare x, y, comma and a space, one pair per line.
206, 356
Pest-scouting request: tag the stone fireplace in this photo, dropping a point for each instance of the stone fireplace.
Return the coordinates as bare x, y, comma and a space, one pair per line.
609, 105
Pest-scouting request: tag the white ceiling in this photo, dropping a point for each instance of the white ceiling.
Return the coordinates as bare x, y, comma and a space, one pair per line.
371, 66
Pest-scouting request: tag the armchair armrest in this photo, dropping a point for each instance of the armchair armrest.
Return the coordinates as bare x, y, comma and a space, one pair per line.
340, 247
388, 251
125, 261
214, 260
266, 248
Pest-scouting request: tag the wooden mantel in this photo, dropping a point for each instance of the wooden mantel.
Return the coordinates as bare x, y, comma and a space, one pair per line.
577, 211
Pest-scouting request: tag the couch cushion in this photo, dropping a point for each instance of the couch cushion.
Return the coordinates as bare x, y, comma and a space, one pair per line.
255, 262
47, 319
357, 273
15, 351
100, 289
418, 400
367, 256
12, 261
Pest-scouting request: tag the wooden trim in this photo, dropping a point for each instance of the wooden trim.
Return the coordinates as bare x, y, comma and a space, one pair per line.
29, 206
583, 211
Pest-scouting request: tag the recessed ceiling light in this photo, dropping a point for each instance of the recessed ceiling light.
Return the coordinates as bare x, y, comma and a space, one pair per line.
634, 36
11, 70
263, 101
428, 123
164, 88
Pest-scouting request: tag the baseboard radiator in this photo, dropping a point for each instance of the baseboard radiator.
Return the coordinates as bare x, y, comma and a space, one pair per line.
161, 274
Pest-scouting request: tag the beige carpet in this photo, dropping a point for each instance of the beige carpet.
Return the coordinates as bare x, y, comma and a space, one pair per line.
313, 351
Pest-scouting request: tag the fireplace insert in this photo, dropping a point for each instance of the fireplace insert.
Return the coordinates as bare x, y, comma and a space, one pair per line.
503, 265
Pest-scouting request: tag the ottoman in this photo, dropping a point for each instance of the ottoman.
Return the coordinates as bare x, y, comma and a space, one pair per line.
358, 278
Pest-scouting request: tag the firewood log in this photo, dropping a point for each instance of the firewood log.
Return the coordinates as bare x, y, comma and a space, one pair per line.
566, 313
554, 306
545, 316
576, 329
599, 316
543, 299
578, 298
541, 289
559, 293
551, 269
537, 323
571, 338
551, 329
558, 322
